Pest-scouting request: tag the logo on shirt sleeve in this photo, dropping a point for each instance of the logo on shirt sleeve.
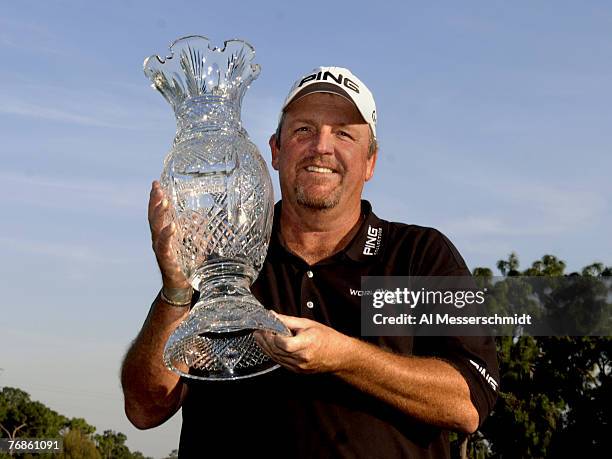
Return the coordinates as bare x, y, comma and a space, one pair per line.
485, 374
373, 240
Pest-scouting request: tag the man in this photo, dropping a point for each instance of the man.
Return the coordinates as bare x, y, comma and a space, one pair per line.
337, 394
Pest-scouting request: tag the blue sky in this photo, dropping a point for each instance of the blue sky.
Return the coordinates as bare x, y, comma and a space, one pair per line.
494, 124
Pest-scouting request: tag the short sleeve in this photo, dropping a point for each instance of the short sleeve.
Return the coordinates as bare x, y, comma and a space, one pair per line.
475, 357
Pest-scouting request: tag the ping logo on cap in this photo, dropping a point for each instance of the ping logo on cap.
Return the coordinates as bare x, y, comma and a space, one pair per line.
326, 76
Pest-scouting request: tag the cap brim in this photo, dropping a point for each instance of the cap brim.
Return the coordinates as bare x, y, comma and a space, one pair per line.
322, 87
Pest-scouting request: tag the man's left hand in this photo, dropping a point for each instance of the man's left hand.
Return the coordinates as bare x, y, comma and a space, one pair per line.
313, 348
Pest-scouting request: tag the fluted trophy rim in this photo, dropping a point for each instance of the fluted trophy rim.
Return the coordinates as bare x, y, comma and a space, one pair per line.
162, 60
196, 67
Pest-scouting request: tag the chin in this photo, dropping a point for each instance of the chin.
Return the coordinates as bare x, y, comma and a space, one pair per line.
311, 201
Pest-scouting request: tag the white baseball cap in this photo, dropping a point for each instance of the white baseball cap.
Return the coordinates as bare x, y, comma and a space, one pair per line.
340, 81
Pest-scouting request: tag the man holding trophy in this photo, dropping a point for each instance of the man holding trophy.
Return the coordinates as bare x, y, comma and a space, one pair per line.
336, 394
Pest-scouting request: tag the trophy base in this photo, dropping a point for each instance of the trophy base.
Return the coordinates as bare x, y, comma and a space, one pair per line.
216, 341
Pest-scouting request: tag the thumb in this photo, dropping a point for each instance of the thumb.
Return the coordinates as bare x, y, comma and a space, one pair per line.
292, 322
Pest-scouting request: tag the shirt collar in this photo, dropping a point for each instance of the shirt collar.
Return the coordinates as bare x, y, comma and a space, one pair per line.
367, 244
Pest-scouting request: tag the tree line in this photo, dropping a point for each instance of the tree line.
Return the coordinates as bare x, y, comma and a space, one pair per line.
22, 417
555, 396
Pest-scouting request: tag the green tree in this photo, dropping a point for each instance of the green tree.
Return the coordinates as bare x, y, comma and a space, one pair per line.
555, 392
111, 445
78, 445
29, 419
21, 417
81, 425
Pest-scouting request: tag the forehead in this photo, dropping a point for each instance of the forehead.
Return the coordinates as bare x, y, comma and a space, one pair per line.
322, 105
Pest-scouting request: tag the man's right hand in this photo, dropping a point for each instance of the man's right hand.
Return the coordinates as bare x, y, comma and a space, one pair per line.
161, 237
152, 393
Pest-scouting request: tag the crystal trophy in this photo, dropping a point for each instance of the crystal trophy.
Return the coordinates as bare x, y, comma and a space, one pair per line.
222, 205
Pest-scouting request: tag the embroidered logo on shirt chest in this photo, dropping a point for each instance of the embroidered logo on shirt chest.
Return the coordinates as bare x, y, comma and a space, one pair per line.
373, 240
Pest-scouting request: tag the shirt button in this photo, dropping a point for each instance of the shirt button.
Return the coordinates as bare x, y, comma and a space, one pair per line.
310, 304
309, 274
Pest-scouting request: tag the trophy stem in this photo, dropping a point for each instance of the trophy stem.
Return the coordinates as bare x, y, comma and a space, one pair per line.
223, 277
225, 299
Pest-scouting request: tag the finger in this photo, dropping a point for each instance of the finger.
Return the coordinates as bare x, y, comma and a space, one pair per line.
290, 345
294, 323
156, 212
261, 340
155, 197
157, 219
266, 340
290, 362
260, 337
164, 241
257, 336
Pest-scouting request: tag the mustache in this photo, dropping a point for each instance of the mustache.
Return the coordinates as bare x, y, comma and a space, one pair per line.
320, 161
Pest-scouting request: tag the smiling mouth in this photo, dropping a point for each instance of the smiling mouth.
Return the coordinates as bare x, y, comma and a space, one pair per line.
320, 170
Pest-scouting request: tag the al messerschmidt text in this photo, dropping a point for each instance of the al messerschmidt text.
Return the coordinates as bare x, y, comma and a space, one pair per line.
447, 319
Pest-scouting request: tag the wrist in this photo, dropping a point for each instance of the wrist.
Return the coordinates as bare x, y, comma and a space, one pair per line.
178, 297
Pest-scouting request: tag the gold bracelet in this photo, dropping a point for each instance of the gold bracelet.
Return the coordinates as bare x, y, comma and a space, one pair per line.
178, 297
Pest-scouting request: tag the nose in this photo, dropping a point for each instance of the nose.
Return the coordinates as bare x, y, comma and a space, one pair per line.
324, 141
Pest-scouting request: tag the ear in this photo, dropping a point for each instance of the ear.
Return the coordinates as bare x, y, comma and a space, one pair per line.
274, 150
371, 163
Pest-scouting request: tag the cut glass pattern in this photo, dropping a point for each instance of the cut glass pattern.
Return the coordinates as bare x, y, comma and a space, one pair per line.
222, 199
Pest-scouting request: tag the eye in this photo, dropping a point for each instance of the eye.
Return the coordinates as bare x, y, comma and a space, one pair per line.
302, 129
344, 134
